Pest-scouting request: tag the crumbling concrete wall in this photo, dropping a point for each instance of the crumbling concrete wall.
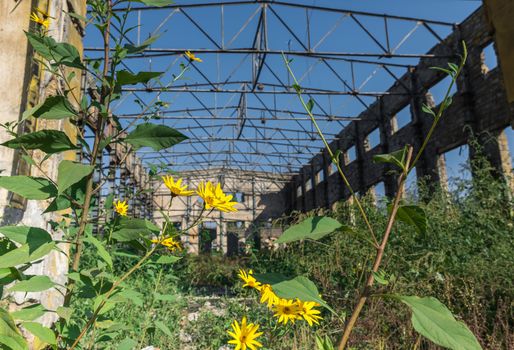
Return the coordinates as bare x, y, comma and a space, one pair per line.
480, 103
260, 198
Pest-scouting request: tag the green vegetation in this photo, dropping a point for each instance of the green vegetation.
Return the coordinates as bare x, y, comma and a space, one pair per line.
464, 260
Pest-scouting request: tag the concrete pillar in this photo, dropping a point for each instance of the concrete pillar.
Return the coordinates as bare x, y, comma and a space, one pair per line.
15, 63
326, 164
24, 85
427, 168
360, 151
315, 194
386, 131
302, 184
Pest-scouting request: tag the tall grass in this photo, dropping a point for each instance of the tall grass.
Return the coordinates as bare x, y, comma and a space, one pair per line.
464, 259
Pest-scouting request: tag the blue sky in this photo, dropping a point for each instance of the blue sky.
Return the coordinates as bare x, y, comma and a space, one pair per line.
329, 32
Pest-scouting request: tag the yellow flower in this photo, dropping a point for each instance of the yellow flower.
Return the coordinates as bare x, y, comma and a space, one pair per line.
215, 198
249, 280
245, 336
170, 243
286, 310
268, 296
176, 188
45, 22
308, 311
121, 207
192, 56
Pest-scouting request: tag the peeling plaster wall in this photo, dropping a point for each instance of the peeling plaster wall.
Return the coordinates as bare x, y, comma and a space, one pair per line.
26, 84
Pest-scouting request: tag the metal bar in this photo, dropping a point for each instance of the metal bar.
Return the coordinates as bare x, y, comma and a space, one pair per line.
281, 129
266, 138
240, 162
386, 29
166, 52
330, 118
288, 29
263, 92
433, 32
200, 28
369, 33
187, 154
243, 26
286, 4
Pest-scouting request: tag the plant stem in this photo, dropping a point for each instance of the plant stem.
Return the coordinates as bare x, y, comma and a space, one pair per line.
442, 107
335, 159
109, 293
100, 122
148, 314
379, 255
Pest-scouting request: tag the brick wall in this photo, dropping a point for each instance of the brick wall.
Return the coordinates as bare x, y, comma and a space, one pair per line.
480, 103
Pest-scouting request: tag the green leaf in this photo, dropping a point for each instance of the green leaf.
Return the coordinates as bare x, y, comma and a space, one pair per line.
310, 105
397, 158
109, 201
454, 67
124, 77
76, 191
5, 272
10, 334
163, 328
166, 259
59, 203
447, 71
380, 277
64, 312
131, 229
34, 236
77, 16
291, 288
127, 344
324, 343
29, 313
29, 187
43, 333
35, 243
28, 159
108, 306
433, 320
59, 53
131, 295
414, 216
131, 49
48, 141
13, 343
156, 136
104, 142
15, 257
427, 109
70, 173
54, 107
24, 254
34, 284
157, 3
104, 254
315, 228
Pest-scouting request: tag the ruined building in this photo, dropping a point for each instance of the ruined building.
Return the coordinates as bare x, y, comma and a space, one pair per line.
294, 173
